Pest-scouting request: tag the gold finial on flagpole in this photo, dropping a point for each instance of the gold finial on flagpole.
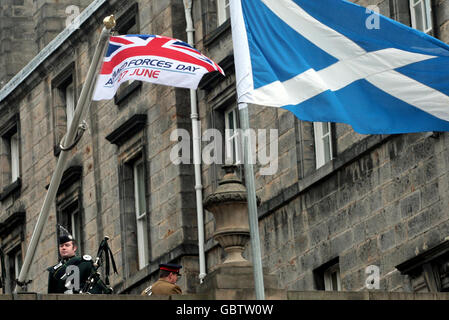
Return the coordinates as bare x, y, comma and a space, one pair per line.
109, 22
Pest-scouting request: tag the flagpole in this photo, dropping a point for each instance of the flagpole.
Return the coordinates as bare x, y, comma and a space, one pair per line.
252, 203
83, 102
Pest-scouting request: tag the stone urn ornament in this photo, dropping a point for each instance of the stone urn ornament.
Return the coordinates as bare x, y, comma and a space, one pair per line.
229, 206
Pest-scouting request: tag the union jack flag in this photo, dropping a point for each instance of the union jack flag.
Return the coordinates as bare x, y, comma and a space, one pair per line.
151, 58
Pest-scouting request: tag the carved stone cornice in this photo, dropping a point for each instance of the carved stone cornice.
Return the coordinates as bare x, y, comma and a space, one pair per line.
216, 198
414, 264
10, 189
127, 129
12, 221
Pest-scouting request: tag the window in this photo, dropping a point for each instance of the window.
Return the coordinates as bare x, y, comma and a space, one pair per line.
227, 137
323, 143
428, 271
134, 186
64, 103
232, 138
127, 23
327, 276
69, 103
223, 11
68, 94
14, 143
133, 204
421, 15
10, 156
12, 265
15, 264
14, 156
332, 279
69, 205
12, 228
140, 204
69, 218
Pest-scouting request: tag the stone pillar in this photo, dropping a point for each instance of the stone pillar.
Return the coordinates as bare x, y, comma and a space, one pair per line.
234, 278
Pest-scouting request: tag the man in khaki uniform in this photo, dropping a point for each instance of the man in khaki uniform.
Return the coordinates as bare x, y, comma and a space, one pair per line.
166, 285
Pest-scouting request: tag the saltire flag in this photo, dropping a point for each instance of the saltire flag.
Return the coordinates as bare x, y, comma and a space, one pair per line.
322, 61
151, 58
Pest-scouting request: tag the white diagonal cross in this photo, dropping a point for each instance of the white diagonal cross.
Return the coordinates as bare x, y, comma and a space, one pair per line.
354, 64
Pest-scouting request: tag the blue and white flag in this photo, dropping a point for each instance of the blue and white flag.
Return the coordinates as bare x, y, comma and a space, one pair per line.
321, 61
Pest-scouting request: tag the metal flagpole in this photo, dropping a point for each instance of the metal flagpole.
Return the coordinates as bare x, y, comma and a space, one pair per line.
83, 102
252, 203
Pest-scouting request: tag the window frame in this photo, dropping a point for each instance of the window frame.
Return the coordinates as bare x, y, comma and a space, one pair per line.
12, 239
70, 211
323, 275
320, 145
11, 154
328, 281
13, 271
61, 107
69, 203
216, 120
70, 103
133, 252
429, 270
234, 138
17, 265
426, 20
14, 156
141, 217
223, 11
130, 138
124, 25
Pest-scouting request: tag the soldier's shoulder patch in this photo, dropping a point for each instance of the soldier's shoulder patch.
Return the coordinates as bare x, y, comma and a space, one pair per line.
87, 257
56, 266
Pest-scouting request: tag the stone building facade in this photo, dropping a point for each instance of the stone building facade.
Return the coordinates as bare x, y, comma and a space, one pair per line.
338, 203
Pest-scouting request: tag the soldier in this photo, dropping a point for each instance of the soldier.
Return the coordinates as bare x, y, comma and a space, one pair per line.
166, 285
71, 273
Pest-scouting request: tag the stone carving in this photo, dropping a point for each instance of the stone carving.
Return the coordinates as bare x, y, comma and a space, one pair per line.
229, 206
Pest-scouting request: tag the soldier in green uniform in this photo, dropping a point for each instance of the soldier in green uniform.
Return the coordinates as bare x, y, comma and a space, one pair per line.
71, 273
166, 285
